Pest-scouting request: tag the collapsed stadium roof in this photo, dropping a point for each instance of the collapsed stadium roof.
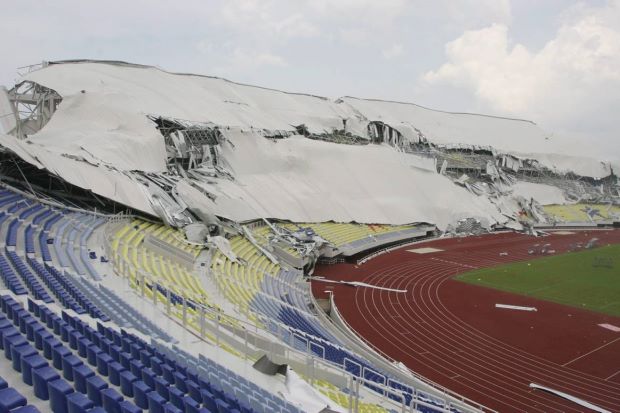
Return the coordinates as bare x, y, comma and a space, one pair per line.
161, 142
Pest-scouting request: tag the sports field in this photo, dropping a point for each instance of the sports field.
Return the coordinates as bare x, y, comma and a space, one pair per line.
588, 279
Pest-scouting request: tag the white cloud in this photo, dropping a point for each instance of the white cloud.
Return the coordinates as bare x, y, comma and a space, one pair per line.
572, 84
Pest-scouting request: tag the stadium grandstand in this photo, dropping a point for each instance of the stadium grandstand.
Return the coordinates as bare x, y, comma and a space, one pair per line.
184, 248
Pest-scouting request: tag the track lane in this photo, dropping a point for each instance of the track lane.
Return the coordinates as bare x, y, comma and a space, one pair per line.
454, 353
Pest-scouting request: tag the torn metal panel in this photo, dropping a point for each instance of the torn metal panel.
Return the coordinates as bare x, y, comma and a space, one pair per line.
188, 144
32, 107
8, 113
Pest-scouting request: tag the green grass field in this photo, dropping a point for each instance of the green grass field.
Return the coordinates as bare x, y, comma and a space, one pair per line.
587, 279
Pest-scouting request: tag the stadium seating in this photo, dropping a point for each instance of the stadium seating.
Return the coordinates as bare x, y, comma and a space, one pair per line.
167, 273
28, 278
79, 368
275, 301
168, 372
37, 277
53, 367
341, 234
583, 212
261, 234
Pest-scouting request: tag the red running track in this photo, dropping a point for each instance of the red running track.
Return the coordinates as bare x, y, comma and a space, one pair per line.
451, 332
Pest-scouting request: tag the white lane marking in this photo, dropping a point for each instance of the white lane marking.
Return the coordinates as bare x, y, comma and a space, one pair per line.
455, 263
590, 352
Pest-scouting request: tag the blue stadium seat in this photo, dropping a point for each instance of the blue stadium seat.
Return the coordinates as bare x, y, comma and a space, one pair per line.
80, 374
148, 376
94, 386
103, 360
111, 400
14, 340
190, 405
58, 353
41, 377
161, 386
19, 352
29, 364
127, 379
79, 403
114, 371
83, 344
136, 367
156, 402
176, 396
140, 391
10, 399
69, 364
92, 352
128, 407
58, 390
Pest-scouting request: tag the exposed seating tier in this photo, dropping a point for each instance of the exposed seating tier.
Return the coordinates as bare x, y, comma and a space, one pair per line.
274, 299
340, 234
583, 212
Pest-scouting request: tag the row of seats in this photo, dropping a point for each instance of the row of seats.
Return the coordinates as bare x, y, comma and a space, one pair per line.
172, 278
151, 377
11, 237
276, 302
37, 291
70, 242
48, 217
262, 233
175, 238
222, 380
121, 312
66, 291
129, 241
259, 278
254, 284
583, 212
10, 279
50, 220
29, 344
229, 392
340, 234
88, 227
12, 401
59, 284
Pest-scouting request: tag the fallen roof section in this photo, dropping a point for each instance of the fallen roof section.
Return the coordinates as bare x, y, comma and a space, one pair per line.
251, 152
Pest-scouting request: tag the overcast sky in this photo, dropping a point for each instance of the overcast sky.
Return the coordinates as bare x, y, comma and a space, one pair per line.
556, 62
